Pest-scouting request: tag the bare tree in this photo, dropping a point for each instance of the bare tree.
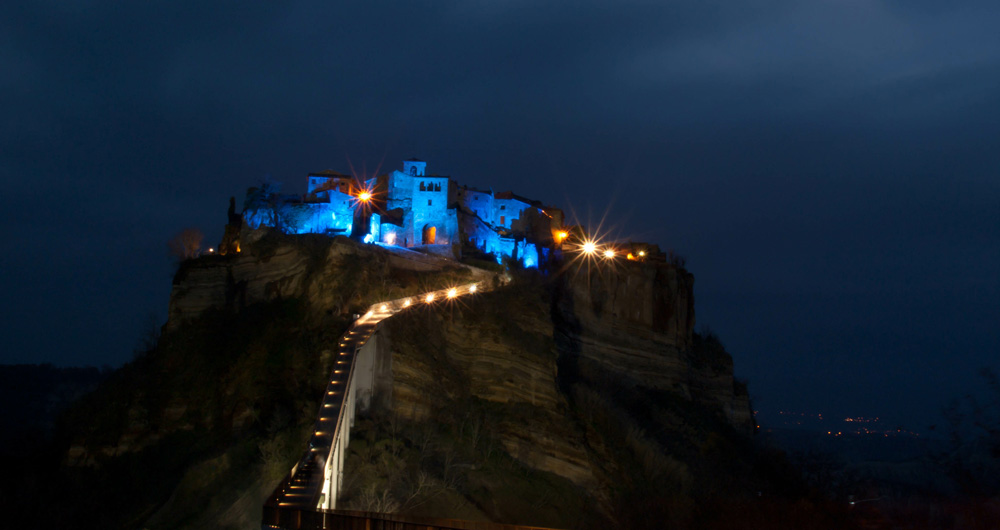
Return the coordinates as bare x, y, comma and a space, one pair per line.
186, 244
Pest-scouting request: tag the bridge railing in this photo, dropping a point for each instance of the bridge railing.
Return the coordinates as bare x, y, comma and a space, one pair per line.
332, 443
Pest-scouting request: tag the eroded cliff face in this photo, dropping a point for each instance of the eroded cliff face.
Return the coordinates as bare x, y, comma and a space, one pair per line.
334, 275
560, 388
557, 355
636, 320
647, 300
499, 349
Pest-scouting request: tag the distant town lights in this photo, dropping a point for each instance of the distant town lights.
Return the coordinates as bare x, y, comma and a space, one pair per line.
589, 247
609, 253
430, 298
452, 293
472, 288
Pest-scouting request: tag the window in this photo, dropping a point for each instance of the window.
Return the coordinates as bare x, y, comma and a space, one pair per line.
413, 171
422, 187
503, 207
437, 187
503, 220
429, 202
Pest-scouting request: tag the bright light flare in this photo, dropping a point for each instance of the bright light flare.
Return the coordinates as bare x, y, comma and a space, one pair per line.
452, 293
384, 307
365, 196
589, 247
609, 253
642, 253
429, 298
472, 288
406, 303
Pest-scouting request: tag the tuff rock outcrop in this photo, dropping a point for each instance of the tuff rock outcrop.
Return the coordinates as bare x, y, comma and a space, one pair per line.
637, 320
334, 275
593, 379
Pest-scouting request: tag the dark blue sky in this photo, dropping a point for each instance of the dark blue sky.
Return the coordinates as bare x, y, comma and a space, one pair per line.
830, 169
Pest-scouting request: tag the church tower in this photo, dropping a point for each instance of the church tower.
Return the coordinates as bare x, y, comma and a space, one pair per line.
414, 167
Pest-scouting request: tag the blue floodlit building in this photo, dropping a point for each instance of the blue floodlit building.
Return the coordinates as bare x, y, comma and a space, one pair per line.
409, 208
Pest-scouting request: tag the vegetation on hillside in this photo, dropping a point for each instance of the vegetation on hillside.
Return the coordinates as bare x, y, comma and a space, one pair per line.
216, 410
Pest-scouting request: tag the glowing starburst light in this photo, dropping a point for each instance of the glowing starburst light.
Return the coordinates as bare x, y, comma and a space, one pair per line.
589, 247
452, 293
472, 288
609, 253
430, 298
364, 196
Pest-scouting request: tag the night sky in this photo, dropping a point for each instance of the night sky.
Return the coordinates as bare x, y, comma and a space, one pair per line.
830, 169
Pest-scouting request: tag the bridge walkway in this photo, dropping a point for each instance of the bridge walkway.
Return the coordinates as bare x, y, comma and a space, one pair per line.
314, 482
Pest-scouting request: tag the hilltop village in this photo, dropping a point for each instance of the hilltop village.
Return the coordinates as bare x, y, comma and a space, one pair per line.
409, 208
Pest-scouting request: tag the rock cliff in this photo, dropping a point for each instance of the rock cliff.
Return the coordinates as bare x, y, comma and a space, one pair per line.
563, 399
498, 349
636, 319
334, 275
599, 381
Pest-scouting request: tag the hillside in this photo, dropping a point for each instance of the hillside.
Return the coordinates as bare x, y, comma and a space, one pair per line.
564, 399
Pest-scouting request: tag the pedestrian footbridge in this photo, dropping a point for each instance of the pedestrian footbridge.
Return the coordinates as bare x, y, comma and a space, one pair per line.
314, 483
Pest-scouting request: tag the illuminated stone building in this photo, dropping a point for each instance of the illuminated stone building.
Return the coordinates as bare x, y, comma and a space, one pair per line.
409, 208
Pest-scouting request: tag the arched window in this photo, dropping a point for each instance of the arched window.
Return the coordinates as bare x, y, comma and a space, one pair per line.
422, 187
413, 171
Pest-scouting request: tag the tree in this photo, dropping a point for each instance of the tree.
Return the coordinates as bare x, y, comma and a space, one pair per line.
186, 244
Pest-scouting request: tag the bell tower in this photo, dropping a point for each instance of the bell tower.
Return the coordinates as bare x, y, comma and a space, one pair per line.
414, 167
